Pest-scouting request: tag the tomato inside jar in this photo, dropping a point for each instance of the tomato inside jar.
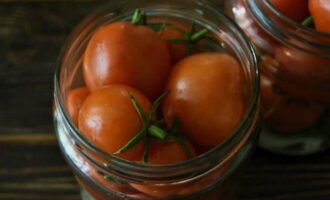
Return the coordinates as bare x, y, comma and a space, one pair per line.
157, 103
293, 53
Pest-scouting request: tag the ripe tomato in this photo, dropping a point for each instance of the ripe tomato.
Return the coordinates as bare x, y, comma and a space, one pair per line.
257, 35
293, 116
303, 68
305, 93
121, 53
165, 152
177, 50
207, 95
109, 119
279, 79
270, 98
320, 10
75, 99
294, 9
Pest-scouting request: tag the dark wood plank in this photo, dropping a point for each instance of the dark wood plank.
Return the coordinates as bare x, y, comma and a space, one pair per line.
31, 36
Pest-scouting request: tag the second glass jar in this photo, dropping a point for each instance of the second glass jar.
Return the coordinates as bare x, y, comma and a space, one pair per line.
295, 77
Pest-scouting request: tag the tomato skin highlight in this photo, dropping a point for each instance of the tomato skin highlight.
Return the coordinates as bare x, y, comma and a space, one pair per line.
320, 11
109, 120
75, 99
296, 10
207, 95
121, 53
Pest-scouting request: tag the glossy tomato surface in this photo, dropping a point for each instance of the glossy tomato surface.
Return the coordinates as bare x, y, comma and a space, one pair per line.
207, 95
75, 99
294, 9
109, 120
320, 10
122, 53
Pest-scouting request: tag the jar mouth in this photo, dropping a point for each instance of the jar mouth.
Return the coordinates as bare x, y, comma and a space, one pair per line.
200, 163
287, 30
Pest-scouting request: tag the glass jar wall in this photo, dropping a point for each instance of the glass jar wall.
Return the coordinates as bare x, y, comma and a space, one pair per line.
213, 175
295, 77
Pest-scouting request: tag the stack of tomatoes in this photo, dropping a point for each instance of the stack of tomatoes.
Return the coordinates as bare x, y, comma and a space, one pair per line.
155, 95
295, 83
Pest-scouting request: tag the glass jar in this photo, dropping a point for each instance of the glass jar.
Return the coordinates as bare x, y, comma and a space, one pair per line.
212, 175
294, 61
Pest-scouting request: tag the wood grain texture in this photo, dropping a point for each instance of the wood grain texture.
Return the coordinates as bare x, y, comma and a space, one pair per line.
31, 165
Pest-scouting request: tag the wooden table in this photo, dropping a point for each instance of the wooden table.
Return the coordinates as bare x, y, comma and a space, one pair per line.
31, 166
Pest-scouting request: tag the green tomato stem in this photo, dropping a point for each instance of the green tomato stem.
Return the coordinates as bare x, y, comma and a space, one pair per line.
138, 18
155, 106
199, 35
157, 132
185, 147
134, 141
308, 21
146, 150
139, 110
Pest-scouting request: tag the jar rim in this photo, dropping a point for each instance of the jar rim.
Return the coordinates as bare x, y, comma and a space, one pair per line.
286, 30
122, 164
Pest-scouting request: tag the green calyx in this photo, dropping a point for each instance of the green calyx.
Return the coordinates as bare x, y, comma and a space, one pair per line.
308, 22
191, 38
151, 129
139, 18
174, 135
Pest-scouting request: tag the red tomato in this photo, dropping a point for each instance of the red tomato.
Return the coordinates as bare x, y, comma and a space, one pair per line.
288, 84
177, 50
207, 95
294, 9
270, 98
75, 99
162, 152
320, 10
109, 119
257, 35
305, 93
121, 53
303, 68
293, 116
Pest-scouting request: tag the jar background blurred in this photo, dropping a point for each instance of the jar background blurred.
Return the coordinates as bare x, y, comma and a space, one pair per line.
295, 78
